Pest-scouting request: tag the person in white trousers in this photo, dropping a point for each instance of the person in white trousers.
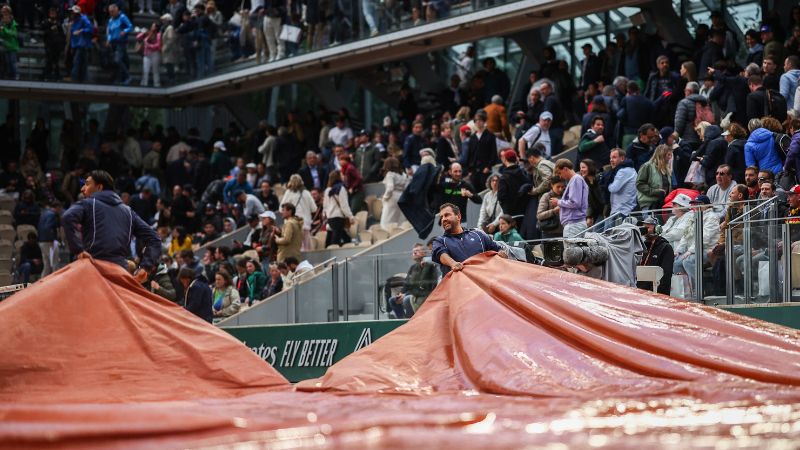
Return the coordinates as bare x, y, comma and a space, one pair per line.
272, 33
151, 43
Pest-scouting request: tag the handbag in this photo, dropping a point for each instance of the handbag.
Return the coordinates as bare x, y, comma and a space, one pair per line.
290, 33
695, 174
236, 18
786, 179
549, 224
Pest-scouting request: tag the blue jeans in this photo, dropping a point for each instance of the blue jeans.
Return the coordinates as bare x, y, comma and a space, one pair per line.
688, 264
120, 56
204, 63
80, 65
24, 270
402, 310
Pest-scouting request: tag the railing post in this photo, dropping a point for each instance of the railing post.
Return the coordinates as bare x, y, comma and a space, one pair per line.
698, 255
787, 262
747, 256
772, 254
346, 309
730, 284
376, 271
335, 291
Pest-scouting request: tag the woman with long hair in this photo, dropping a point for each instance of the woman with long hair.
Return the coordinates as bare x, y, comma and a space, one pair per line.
395, 180
151, 49
225, 299
297, 194
654, 181
337, 210
180, 241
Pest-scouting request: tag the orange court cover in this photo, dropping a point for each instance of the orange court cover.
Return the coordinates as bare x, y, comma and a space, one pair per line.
502, 355
91, 333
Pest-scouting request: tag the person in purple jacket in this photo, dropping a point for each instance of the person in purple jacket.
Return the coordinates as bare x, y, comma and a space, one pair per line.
575, 200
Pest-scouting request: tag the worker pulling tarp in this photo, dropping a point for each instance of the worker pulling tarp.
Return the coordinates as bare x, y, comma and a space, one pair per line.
510, 328
89, 333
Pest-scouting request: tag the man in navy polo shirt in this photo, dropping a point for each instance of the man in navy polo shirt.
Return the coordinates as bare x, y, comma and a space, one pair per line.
458, 244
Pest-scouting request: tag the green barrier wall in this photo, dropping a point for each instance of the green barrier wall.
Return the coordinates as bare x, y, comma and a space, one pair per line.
304, 351
786, 314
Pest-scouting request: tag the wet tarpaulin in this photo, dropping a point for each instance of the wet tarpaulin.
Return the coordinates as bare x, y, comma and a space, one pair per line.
502, 355
91, 333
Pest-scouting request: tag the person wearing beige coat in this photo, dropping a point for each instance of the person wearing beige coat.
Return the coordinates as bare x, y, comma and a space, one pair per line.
291, 237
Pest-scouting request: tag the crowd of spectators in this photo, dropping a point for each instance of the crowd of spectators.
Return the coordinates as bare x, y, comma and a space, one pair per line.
183, 35
637, 152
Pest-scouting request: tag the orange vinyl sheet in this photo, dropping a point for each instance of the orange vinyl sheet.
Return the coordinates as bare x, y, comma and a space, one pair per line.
501, 355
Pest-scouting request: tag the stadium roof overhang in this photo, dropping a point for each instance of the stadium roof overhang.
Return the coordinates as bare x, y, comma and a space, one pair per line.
496, 21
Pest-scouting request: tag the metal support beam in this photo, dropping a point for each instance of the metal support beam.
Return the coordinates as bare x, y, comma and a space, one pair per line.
670, 26
748, 258
730, 284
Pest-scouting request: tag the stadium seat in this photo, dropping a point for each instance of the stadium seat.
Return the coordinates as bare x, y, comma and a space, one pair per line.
364, 244
279, 190
5, 279
377, 208
332, 246
394, 231
406, 225
375, 226
365, 236
314, 244
23, 230
7, 203
252, 254
361, 219
380, 235
6, 248
348, 245
6, 218
5, 265
320, 242
322, 235
8, 233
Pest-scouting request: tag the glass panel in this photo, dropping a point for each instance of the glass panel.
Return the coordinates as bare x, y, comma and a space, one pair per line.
746, 15
314, 299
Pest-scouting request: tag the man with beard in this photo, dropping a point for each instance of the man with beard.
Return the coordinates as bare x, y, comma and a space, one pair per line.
456, 245
751, 181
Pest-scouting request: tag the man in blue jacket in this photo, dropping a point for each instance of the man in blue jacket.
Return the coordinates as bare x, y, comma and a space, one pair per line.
80, 40
457, 245
117, 38
107, 226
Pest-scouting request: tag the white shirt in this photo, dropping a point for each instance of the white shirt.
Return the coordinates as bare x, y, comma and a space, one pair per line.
340, 136
536, 134
719, 195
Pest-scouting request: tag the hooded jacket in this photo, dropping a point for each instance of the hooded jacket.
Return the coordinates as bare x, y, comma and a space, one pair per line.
788, 85
760, 151
107, 227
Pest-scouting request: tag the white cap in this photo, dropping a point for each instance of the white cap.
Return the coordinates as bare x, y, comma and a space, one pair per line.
266, 214
220, 145
681, 200
251, 165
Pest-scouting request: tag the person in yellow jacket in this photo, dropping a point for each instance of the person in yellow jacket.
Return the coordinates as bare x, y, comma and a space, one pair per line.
291, 237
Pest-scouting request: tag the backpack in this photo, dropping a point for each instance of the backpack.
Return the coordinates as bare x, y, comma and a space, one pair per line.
782, 142
703, 113
775, 105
